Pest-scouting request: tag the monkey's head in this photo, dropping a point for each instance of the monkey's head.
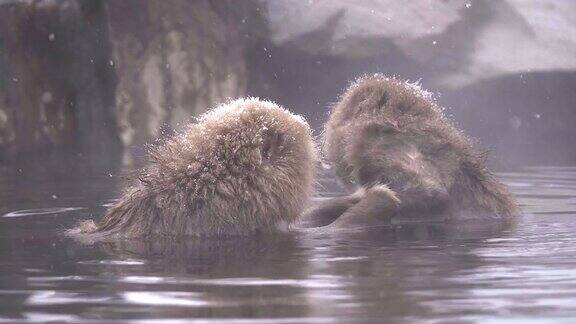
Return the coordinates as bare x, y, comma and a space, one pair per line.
386, 108
246, 165
386, 98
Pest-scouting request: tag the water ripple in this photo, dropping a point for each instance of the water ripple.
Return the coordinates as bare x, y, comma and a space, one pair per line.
41, 211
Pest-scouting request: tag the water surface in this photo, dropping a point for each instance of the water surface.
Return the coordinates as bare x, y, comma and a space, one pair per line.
417, 272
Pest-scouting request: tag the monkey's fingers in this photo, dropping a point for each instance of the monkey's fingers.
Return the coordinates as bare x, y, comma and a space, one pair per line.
376, 208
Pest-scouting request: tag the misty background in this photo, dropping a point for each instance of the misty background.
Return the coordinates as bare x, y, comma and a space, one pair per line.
100, 79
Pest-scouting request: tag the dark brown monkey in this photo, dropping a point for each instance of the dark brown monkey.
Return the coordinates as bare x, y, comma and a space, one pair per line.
244, 167
389, 138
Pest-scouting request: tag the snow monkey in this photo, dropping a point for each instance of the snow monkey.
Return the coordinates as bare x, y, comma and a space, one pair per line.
246, 166
389, 140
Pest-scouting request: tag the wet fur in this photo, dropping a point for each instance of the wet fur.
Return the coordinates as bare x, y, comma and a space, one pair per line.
388, 133
244, 167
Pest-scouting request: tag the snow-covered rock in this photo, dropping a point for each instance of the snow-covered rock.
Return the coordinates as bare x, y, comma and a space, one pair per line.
465, 40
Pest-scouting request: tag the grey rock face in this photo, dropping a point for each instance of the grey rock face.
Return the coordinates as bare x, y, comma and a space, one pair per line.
173, 59
97, 75
54, 87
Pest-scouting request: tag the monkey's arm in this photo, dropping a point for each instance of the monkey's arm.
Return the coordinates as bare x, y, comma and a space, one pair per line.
376, 208
327, 211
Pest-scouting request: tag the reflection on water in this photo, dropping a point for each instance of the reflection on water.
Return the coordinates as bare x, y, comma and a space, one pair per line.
40, 211
407, 273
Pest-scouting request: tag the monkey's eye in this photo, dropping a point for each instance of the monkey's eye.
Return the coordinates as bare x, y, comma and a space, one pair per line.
271, 146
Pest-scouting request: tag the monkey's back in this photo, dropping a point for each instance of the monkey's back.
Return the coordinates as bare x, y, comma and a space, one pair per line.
246, 166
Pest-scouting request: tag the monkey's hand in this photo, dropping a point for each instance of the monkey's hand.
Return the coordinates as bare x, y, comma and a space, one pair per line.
376, 207
329, 210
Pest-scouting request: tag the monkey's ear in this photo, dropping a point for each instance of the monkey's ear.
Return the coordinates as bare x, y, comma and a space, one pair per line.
272, 143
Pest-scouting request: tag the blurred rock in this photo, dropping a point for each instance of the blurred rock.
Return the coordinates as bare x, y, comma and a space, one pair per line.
96, 75
92, 75
174, 59
523, 118
504, 68
458, 42
6, 131
56, 86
